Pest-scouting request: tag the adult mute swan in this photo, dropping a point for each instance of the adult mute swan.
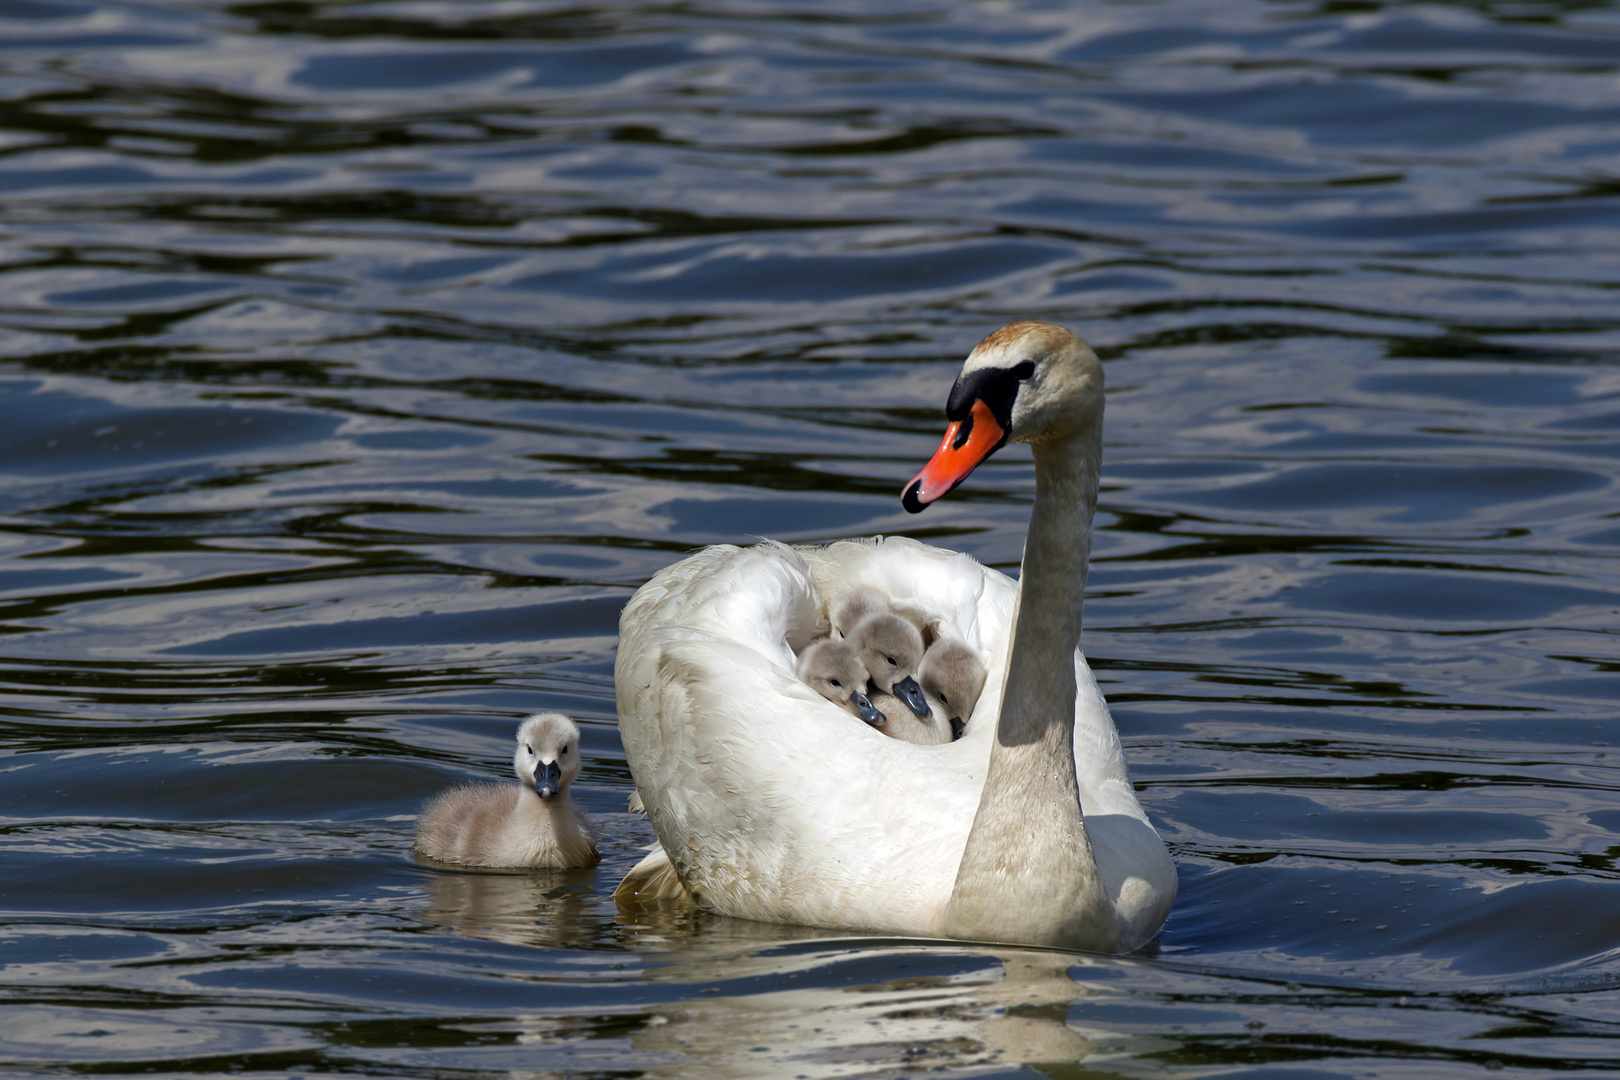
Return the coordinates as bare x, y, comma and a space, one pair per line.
769, 804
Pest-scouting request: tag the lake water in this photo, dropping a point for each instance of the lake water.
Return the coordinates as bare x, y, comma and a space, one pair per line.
358, 360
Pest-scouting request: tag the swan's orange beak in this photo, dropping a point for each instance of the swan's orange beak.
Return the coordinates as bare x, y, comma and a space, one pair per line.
967, 442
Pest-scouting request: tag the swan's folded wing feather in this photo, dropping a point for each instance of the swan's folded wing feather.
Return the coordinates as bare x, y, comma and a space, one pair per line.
1099, 756
949, 590
652, 881
775, 804
1137, 874
757, 598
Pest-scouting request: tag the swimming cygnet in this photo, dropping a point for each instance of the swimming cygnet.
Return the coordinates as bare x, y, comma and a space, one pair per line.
952, 674
533, 824
891, 648
831, 667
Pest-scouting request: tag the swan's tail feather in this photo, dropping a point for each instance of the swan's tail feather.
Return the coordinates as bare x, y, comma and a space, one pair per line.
651, 881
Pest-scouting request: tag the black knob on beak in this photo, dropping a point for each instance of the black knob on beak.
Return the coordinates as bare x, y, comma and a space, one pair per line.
548, 780
866, 710
909, 692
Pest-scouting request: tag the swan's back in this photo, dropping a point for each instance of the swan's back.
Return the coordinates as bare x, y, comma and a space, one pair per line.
772, 802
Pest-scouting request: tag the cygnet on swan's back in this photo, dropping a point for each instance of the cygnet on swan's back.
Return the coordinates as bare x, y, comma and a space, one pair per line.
903, 724
890, 648
952, 674
846, 614
832, 669
534, 824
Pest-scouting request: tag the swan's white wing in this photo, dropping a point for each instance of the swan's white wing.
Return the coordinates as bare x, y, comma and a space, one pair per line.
773, 803
1135, 868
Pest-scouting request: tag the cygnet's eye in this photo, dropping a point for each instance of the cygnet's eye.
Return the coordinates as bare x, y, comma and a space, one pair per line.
529, 748
563, 752
944, 700
836, 683
891, 661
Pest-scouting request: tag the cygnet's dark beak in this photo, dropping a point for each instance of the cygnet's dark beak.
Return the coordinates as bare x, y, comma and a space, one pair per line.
866, 710
548, 781
909, 692
957, 727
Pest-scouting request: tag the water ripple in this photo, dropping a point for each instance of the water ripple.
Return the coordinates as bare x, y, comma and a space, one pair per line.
357, 360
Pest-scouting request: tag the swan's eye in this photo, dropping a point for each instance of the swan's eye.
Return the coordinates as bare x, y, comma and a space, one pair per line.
1024, 370
529, 748
563, 752
944, 700
891, 660
836, 683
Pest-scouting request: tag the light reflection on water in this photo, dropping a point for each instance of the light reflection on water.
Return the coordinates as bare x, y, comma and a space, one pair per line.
361, 359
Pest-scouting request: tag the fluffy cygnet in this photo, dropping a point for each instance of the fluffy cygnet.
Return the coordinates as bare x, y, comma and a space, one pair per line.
831, 667
848, 612
952, 674
891, 648
532, 824
903, 724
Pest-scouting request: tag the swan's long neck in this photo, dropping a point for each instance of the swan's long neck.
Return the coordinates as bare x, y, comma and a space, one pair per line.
1038, 697
1027, 873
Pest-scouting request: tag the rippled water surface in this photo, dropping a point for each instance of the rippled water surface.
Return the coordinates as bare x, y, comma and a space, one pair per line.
360, 359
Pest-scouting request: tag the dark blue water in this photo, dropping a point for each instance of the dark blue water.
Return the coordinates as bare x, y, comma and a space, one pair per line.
358, 360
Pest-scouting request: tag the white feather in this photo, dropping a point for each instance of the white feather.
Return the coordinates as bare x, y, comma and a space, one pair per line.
773, 803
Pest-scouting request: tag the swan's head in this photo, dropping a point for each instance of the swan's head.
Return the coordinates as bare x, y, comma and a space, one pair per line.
832, 668
1027, 382
547, 753
952, 673
891, 648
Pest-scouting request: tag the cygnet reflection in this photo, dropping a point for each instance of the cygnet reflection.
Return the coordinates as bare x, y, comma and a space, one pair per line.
550, 908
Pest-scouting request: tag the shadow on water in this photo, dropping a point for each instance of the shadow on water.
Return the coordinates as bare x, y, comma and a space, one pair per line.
358, 361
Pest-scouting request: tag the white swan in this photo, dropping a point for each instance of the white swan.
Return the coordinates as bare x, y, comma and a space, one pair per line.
769, 804
532, 824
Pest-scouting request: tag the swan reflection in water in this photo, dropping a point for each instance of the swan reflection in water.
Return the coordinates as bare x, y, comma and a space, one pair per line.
759, 1000
836, 1006
785, 1002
